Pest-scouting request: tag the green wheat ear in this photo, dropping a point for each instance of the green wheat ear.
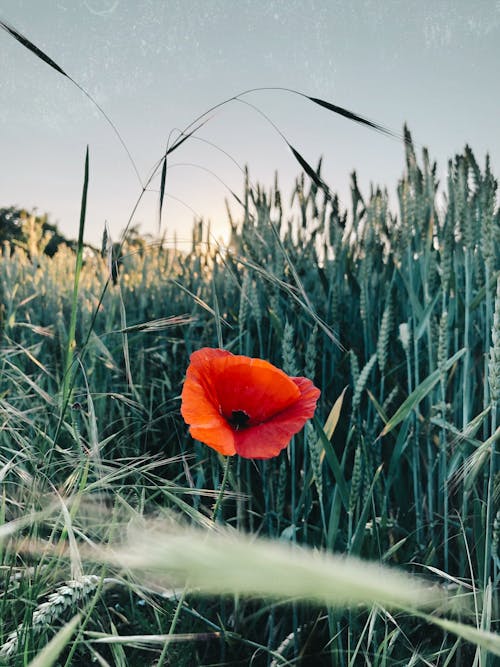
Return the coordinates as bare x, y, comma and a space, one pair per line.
66, 597
383, 337
494, 363
315, 450
288, 350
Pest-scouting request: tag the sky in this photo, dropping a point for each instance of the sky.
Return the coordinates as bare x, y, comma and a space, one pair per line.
156, 65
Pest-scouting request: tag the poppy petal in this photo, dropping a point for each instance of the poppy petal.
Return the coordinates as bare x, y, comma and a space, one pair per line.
267, 439
220, 438
200, 407
253, 386
200, 373
206, 424
204, 356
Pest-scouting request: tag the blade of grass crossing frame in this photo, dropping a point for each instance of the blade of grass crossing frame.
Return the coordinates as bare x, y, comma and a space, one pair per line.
310, 172
359, 534
469, 633
126, 353
333, 417
424, 322
74, 305
162, 189
324, 435
51, 652
45, 58
184, 137
378, 407
418, 394
327, 432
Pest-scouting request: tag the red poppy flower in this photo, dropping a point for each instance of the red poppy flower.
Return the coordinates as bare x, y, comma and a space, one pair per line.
239, 405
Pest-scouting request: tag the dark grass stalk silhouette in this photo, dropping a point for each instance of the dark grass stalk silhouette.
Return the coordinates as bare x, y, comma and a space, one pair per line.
189, 131
313, 174
202, 119
199, 122
67, 383
43, 56
78, 268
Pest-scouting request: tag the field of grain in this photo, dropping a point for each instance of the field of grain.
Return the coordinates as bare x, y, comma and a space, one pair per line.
373, 539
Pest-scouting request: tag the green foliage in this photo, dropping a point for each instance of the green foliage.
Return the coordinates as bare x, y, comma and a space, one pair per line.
391, 483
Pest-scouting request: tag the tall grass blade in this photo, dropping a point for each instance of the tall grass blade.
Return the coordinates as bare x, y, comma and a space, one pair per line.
418, 394
162, 189
184, 137
49, 655
71, 345
310, 171
357, 539
486, 640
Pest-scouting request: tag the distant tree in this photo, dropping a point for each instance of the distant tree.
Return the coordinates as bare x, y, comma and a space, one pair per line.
30, 231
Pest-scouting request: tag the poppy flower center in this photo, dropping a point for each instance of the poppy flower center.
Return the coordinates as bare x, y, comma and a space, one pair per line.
239, 419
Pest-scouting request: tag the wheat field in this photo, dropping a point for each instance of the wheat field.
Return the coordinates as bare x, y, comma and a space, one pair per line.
110, 509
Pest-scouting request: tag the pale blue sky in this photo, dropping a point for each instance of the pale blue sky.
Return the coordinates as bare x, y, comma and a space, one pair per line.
155, 65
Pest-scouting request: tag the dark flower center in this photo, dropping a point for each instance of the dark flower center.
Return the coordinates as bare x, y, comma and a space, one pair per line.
239, 419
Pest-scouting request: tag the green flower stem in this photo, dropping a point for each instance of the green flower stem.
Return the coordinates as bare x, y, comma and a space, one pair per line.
222, 488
